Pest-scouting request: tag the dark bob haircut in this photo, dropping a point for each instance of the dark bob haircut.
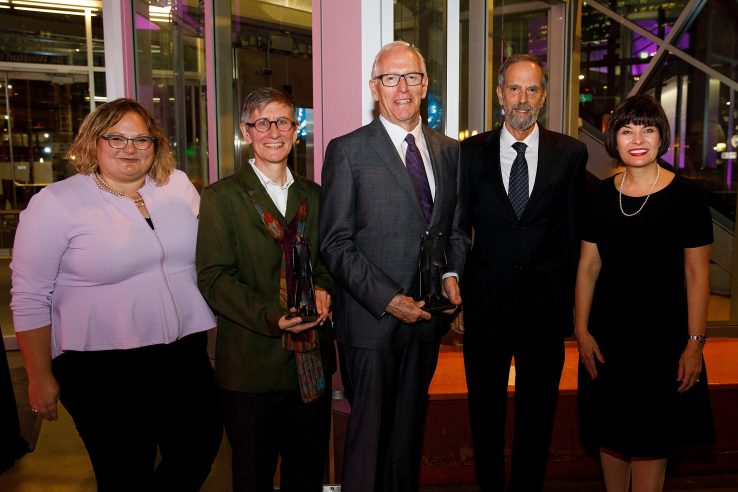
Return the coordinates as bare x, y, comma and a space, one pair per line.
642, 110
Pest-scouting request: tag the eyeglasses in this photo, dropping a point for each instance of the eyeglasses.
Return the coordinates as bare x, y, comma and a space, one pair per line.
392, 79
120, 142
264, 124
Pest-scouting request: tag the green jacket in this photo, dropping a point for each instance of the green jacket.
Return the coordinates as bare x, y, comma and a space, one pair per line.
238, 266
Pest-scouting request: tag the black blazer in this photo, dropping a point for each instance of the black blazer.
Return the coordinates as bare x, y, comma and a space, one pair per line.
370, 229
522, 272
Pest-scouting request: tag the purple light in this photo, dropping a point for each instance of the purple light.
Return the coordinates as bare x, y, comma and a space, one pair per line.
644, 45
144, 24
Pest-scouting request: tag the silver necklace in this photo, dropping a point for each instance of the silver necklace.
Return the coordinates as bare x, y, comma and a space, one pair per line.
620, 198
100, 182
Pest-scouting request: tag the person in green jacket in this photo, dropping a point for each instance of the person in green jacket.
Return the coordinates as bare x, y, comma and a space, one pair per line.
273, 368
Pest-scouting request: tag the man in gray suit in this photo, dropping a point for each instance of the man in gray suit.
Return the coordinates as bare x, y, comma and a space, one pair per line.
384, 186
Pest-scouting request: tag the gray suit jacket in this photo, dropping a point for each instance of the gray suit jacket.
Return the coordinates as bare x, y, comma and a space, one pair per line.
371, 224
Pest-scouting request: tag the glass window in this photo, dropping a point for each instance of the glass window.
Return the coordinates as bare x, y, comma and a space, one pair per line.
424, 25
48, 34
272, 47
715, 28
100, 85
98, 46
520, 32
613, 58
45, 114
170, 78
657, 16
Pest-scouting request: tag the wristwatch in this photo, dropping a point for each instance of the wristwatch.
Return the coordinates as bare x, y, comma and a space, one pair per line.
698, 338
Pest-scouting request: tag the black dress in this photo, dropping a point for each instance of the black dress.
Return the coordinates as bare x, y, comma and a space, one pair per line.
639, 320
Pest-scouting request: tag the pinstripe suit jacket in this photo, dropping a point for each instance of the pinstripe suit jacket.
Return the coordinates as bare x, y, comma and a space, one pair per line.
521, 272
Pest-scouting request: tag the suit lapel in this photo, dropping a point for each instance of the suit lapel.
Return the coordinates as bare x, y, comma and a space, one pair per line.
389, 157
252, 186
491, 163
296, 195
434, 151
546, 155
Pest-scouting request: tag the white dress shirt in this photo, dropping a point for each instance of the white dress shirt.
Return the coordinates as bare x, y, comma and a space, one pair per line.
508, 155
397, 134
277, 192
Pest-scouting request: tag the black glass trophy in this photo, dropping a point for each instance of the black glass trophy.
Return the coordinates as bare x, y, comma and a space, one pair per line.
432, 267
303, 297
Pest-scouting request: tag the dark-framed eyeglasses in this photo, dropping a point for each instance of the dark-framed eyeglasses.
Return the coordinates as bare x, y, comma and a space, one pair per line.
264, 124
120, 142
392, 79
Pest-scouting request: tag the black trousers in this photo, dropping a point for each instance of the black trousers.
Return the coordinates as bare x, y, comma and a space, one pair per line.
539, 359
388, 393
12, 445
264, 426
127, 404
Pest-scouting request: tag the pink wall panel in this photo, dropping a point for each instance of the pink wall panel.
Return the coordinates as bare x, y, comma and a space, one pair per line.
337, 80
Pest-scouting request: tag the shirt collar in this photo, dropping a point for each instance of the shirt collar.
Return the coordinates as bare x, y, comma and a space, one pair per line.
507, 140
397, 134
265, 180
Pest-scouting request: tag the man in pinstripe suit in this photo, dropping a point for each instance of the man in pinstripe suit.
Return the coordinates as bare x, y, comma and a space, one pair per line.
522, 203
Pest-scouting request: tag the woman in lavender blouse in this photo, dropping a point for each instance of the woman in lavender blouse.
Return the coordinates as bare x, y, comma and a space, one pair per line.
107, 312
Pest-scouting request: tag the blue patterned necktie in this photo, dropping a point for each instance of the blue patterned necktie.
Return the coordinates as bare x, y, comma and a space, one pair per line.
416, 170
517, 189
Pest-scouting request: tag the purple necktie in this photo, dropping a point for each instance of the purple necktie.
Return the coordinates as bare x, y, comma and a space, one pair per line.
517, 188
416, 170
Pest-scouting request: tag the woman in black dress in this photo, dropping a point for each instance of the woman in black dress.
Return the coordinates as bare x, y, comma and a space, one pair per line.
641, 306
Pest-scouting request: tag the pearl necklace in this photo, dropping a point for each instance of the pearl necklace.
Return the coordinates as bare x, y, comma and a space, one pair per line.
100, 182
620, 199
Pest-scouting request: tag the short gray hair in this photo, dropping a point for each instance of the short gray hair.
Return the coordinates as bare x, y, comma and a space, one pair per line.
261, 98
398, 44
522, 57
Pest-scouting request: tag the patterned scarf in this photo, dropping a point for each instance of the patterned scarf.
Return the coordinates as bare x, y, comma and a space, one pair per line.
305, 345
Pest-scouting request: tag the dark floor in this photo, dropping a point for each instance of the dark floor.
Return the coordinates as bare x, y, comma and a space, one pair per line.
707, 483
60, 464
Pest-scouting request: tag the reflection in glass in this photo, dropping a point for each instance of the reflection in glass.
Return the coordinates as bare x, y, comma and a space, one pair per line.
521, 32
171, 78
614, 57
424, 25
606, 66
715, 27
663, 13
44, 116
272, 47
50, 34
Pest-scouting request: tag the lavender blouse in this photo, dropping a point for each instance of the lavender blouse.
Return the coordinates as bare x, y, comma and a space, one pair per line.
86, 262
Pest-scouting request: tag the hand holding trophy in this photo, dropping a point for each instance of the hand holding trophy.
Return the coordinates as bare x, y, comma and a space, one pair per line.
432, 267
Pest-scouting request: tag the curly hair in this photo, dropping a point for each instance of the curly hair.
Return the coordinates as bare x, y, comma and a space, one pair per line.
83, 151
